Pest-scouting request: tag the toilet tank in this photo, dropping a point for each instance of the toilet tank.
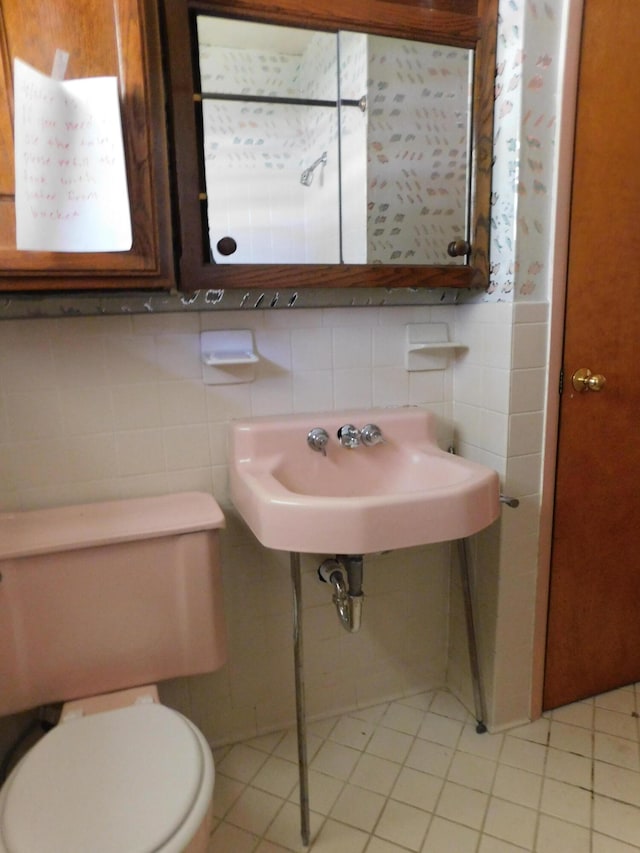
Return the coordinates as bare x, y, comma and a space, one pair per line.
99, 597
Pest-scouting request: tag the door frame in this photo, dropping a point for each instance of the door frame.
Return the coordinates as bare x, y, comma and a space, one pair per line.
572, 32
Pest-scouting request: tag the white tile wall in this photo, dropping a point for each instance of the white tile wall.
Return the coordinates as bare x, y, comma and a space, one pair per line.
499, 403
101, 408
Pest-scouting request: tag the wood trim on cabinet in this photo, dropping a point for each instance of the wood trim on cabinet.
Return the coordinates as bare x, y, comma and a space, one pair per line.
482, 162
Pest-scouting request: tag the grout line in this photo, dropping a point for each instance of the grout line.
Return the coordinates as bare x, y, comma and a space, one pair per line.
382, 722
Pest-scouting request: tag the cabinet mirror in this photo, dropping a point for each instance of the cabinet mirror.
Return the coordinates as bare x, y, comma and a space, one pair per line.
321, 153
332, 147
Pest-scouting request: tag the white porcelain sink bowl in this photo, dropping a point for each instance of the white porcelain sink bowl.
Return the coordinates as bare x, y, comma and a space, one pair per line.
404, 492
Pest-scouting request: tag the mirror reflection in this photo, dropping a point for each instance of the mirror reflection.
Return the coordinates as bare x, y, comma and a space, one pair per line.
332, 148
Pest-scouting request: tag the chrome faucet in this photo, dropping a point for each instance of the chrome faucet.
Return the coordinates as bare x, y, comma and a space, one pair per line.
349, 436
371, 434
317, 439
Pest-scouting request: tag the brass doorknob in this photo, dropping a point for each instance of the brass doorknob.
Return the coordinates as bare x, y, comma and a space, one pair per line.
584, 380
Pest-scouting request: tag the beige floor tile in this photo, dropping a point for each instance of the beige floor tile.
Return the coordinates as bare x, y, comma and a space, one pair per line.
616, 750
254, 810
518, 786
523, 754
462, 805
417, 789
489, 844
403, 718
335, 760
227, 838
566, 802
225, 793
511, 822
622, 700
378, 845
486, 745
618, 820
557, 836
602, 844
537, 731
323, 791
616, 723
375, 774
566, 767
265, 743
472, 771
277, 776
269, 847
413, 775
336, 836
448, 705
350, 731
444, 836
439, 729
284, 830
617, 783
288, 747
403, 824
358, 807
242, 763
390, 744
574, 739
576, 714
430, 757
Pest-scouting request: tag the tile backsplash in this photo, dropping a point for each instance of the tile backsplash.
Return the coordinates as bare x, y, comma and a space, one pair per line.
96, 408
113, 407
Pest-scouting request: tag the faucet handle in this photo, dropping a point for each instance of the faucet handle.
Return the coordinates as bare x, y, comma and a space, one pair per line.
349, 436
371, 434
317, 439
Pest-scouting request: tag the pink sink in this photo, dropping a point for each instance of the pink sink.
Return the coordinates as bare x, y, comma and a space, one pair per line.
403, 492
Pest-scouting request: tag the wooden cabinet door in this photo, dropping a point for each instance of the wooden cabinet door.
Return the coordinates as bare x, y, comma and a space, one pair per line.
103, 38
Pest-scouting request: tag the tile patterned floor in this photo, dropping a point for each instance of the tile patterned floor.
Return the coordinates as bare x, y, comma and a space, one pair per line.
413, 775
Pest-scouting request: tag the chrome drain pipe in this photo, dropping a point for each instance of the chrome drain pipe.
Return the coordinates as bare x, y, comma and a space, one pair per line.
344, 574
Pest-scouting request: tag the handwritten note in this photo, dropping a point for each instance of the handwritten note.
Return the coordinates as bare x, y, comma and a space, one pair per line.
71, 183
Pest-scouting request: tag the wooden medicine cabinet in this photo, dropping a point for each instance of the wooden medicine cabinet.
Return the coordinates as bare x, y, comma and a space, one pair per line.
117, 38
333, 143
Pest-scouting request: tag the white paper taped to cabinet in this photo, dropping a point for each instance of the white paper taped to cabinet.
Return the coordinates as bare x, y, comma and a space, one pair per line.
70, 173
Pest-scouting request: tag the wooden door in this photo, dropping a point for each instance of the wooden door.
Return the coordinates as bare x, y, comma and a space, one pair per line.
593, 641
103, 38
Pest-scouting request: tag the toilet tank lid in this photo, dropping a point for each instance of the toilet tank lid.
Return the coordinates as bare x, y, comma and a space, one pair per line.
45, 531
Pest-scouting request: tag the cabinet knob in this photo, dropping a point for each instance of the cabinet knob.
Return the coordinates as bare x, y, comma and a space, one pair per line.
226, 245
458, 248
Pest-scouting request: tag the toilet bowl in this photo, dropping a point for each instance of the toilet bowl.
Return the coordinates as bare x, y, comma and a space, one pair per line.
120, 773
139, 778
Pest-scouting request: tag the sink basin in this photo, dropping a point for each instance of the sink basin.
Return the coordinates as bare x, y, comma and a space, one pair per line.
403, 492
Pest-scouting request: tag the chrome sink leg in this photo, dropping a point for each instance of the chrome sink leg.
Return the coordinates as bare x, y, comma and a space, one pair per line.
478, 694
301, 721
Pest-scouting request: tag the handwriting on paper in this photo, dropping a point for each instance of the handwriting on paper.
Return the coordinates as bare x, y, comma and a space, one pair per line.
71, 183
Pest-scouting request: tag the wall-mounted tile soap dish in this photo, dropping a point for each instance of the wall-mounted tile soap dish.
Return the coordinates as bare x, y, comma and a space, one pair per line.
429, 347
228, 357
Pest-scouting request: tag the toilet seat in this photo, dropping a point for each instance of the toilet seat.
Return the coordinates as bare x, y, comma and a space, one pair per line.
137, 779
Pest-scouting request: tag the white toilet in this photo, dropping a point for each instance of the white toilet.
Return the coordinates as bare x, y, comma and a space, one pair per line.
97, 603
